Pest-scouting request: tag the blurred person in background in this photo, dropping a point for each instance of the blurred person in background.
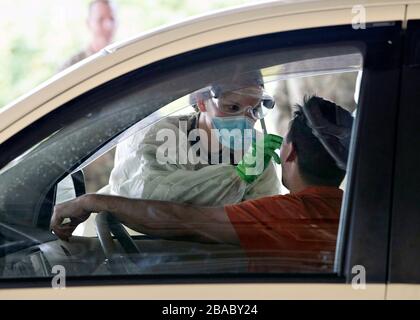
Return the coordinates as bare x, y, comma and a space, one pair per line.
102, 25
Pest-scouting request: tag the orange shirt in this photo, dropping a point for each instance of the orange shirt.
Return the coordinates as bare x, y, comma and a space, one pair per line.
289, 233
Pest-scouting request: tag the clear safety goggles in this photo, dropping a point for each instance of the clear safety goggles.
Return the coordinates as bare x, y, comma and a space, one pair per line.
230, 106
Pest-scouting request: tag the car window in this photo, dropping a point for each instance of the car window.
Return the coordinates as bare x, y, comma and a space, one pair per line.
130, 146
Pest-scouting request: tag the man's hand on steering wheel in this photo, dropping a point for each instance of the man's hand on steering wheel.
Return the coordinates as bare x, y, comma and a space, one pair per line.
73, 210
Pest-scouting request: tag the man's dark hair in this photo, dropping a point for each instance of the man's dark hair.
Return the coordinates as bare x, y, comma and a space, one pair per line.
316, 165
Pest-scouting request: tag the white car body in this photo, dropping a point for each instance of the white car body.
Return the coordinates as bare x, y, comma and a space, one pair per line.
168, 41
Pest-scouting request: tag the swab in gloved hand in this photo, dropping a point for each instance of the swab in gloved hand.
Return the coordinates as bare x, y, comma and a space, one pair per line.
263, 126
268, 149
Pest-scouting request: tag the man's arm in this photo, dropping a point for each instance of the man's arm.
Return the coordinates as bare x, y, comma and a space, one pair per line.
162, 219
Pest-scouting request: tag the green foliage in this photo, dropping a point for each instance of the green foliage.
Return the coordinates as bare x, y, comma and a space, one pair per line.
38, 36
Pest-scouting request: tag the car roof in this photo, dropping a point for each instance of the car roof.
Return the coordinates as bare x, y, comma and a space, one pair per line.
197, 32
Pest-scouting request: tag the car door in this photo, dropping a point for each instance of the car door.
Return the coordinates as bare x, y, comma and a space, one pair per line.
404, 276
363, 236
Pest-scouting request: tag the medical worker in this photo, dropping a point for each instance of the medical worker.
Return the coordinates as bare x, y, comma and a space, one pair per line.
195, 172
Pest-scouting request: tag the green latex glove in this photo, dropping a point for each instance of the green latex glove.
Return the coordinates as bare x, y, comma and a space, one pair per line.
271, 143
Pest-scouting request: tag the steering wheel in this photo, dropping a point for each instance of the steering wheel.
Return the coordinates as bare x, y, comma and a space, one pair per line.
106, 226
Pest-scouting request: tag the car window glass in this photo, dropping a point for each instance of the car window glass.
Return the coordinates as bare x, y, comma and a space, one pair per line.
117, 148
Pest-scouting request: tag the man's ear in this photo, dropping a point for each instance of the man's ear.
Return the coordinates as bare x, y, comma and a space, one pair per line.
201, 105
291, 153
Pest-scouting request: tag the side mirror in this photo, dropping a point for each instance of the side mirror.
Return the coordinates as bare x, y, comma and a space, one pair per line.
72, 186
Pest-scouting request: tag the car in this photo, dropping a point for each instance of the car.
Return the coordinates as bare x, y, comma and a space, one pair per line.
51, 136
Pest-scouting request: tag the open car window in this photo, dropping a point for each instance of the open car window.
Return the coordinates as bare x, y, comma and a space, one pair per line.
113, 139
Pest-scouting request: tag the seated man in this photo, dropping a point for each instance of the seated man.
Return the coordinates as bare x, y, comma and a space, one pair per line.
294, 232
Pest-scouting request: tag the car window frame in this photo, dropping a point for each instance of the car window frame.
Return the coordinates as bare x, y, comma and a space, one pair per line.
404, 251
353, 251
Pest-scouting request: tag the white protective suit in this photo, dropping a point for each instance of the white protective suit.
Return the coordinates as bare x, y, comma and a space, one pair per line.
138, 174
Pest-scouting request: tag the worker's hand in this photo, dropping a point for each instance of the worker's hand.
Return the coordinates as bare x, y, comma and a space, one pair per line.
74, 211
271, 143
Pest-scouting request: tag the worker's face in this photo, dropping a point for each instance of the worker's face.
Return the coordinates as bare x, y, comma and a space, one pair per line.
101, 21
238, 103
